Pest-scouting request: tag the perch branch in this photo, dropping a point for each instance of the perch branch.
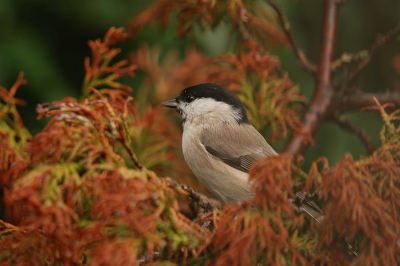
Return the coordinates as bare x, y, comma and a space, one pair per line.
200, 199
345, 124
319, 106
380, 41
203, 201
304, 62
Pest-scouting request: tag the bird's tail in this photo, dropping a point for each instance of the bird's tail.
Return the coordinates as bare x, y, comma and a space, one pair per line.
302, 204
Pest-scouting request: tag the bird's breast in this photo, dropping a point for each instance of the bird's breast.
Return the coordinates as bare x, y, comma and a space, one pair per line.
224, 181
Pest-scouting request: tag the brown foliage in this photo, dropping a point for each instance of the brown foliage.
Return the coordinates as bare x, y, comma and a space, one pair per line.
73, 198
261, 233
74, 195
13, 134
361, 203
98, 70
363, 198
252, 20
164, 80
271, 99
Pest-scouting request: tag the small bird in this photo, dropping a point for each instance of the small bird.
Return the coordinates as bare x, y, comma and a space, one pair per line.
219, 144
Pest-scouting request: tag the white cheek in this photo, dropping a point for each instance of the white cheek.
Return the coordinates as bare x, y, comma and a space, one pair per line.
210, 109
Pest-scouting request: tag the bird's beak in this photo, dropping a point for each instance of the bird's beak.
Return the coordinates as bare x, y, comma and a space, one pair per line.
173, 103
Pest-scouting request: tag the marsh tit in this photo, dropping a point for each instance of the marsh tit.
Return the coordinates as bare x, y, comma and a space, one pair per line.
220, 145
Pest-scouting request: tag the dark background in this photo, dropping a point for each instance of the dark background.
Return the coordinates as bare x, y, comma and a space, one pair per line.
47, 40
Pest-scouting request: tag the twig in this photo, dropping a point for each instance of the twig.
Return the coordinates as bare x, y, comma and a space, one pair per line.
359, 100
133, 157
6, 228
380, 41
131, 153
319, 105
345, 124
348, 58
305, 63
201, 200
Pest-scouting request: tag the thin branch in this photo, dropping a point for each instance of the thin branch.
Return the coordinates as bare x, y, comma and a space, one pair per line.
200, 199
133, 157
318, 108
6, 228
128, 148
304, 62
345, 124
348, 58
380, 41
203, 201
359, 100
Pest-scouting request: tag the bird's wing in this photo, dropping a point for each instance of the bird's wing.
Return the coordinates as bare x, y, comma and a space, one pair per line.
239, 147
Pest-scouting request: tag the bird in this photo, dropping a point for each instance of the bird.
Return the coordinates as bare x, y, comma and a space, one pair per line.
220, 144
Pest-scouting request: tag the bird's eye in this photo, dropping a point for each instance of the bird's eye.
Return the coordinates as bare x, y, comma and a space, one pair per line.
189, 98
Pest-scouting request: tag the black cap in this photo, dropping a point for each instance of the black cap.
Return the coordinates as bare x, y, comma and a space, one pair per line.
210, 90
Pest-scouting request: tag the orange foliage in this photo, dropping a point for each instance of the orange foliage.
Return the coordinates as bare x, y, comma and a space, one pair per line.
250, 19
261, 233
102, 54
164, 80
74, 198
363, 198
13, 134
361, 204
271, 99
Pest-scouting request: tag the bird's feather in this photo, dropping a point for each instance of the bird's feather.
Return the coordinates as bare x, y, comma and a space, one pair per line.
240, 147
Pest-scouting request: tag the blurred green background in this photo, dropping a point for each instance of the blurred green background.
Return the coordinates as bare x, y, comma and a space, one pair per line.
47, 40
